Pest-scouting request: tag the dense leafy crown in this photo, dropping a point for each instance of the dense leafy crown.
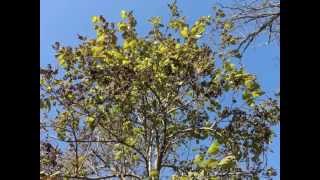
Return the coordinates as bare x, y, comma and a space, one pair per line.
126, 106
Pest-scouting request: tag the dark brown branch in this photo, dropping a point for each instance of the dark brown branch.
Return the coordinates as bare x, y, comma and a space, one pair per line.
76, 150
123, 143
249, 39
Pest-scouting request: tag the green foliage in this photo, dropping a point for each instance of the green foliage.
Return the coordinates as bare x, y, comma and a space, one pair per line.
156, 21
124, 14
227, 162
198, 159
214, 148
154, 173
90, 121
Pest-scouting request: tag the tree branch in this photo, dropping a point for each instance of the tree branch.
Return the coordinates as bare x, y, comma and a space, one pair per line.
104, 177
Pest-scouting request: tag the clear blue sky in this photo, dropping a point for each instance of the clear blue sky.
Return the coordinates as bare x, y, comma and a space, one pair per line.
62, 20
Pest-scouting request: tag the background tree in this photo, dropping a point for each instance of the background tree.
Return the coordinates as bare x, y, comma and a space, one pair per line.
130, 107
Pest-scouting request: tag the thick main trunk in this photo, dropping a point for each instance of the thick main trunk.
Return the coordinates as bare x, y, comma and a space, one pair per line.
153, 158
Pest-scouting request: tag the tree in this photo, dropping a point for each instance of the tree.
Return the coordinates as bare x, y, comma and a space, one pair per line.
240, 24
132, 107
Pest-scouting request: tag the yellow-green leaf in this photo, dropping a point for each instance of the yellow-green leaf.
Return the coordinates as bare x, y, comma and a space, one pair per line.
155, 20
130, 141
198, 159
90, 121
184, 178
130, 44
212, 163
249, 84
198, 29
257, 93
95, 19
124, 14
125, 62
227, 162
122, 26
136, 157
97, 50
49, 88
101, 39
118, 155
214, 148
184, 32
154, 173
70, 96
228, 25
213, 178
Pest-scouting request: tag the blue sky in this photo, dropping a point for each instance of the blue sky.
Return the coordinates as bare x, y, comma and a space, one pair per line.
62, 20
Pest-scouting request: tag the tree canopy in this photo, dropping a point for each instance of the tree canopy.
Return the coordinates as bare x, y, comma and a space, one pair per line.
130, 107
